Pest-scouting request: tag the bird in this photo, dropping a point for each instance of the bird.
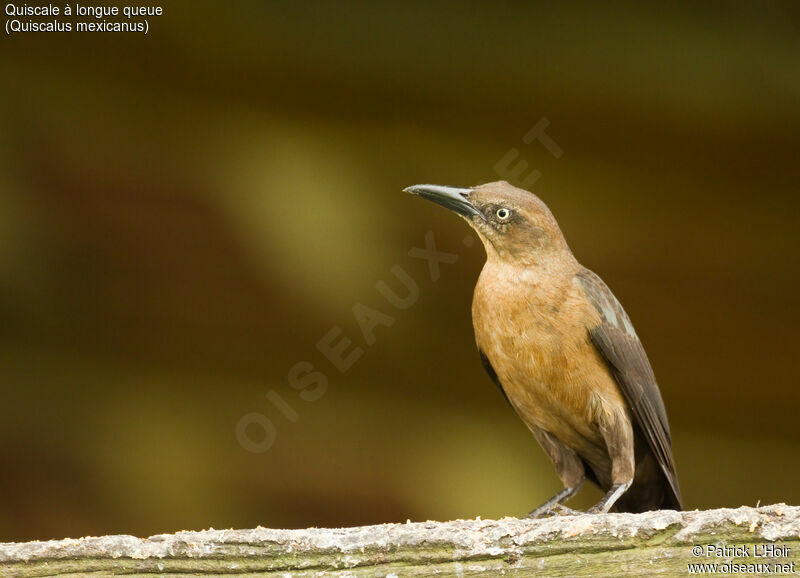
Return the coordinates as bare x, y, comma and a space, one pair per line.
564, 353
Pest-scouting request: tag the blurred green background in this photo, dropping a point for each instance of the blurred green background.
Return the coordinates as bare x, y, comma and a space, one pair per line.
184, 215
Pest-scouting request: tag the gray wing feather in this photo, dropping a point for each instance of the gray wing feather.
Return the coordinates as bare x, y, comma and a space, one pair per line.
624, 354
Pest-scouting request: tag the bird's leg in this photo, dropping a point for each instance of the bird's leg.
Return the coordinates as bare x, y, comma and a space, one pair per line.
554, 506
570, 469
608, 500
618, 435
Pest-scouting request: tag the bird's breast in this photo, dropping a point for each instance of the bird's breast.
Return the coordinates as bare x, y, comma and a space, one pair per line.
533, 330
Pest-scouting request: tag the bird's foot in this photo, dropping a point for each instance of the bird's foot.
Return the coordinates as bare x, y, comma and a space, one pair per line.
565, 511
549, 511
553, 507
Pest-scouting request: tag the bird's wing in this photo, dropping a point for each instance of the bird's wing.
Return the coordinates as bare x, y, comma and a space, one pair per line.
621, 349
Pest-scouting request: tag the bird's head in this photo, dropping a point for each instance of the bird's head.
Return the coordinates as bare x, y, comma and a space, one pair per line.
514, 224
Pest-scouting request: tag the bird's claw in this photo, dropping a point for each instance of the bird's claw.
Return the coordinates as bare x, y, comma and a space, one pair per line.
565, 511
551, 511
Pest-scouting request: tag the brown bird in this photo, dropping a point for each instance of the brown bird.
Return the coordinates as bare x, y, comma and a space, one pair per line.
563, 351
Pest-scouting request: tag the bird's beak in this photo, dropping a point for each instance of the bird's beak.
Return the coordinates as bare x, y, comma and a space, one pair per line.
451, 198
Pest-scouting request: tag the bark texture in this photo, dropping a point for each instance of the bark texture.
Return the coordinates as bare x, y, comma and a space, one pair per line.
583, 545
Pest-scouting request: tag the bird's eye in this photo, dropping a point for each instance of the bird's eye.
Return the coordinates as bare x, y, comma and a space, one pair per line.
503, 214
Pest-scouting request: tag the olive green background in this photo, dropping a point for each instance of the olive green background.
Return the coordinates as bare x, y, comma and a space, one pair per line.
184, 215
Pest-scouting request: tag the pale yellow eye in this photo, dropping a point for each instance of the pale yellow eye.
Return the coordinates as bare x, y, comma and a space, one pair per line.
503, 214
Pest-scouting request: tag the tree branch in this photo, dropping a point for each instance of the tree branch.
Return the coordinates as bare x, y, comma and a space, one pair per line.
584, 545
